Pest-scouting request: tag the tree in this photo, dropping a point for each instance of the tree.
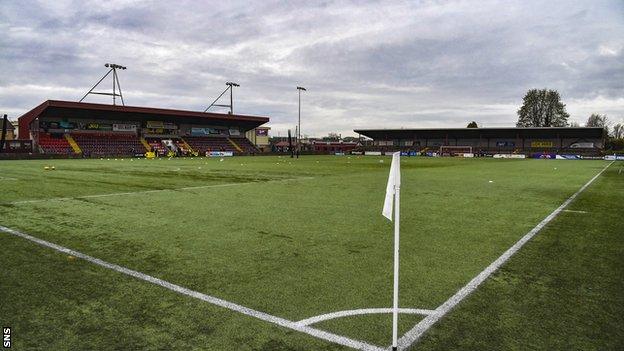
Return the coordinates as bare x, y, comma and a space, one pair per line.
472, 124
331, 137
598, 120
618, 131
542, 108
574, 124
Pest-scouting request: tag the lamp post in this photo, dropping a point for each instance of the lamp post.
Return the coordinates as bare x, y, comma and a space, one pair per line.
299, 89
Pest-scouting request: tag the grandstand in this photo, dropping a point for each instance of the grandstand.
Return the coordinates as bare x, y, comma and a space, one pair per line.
54, 144
97, 130
488, 141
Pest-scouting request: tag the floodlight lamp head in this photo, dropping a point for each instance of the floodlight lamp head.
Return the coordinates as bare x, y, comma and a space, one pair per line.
114, 66
232, 84
301, 88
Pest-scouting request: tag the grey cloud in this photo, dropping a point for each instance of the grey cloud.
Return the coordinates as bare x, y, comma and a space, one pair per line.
366, 64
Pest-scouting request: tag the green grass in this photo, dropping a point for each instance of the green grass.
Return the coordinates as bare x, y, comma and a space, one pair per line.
562, 291
293, 238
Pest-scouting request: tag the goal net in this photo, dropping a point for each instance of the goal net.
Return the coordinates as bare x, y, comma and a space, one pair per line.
448, 150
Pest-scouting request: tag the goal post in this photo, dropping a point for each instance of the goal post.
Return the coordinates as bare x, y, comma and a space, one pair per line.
454, 150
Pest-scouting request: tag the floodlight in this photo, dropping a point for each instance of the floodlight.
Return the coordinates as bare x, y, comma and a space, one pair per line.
299, 89
116, 86
230, 87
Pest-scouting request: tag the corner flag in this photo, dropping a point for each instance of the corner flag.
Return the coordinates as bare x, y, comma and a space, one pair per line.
392, 195
394, 181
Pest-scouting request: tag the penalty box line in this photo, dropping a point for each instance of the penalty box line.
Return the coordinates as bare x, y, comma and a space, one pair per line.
421, 328
334, 338
154, 191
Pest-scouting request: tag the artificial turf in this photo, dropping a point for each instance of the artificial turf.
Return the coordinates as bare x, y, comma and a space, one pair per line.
293, 238
562, 291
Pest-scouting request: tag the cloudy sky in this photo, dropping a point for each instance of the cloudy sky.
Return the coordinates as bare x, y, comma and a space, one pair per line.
365, 64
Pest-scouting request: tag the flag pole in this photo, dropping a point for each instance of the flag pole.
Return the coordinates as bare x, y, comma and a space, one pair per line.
392, 198
395, 307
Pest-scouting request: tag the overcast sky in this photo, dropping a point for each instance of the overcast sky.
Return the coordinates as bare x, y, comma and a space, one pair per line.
365, 64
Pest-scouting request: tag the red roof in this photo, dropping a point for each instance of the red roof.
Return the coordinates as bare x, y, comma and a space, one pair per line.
89, 110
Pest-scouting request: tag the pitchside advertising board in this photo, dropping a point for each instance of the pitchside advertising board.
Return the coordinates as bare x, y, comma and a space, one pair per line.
568, 157
614, 158
508, 156
544, 156
220, 154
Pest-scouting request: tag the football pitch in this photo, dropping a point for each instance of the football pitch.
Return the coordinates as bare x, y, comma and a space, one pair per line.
274, 253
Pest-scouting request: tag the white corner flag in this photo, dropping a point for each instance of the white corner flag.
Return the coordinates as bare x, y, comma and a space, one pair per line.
392, 195
394, 182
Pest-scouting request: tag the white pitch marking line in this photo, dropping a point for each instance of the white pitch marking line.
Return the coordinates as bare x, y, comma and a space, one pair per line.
7, 178
339, 314
153, 191
417, 331
574, 211
337, 339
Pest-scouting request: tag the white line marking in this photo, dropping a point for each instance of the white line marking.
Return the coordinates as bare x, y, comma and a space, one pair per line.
337, 339
153, 191
415, 333
339, 314
7, 178
574, 211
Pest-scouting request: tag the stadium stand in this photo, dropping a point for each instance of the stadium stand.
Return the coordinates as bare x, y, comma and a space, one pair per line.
531, 142
245, 144
66, 128
157, 146
207, 144
54, 144
108, 144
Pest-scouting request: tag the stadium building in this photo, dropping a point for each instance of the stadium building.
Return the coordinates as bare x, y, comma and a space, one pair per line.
92, 130
332, 147
488, 141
